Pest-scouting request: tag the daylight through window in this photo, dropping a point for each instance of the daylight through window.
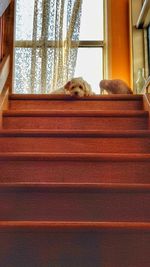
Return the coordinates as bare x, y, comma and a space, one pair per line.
88, 58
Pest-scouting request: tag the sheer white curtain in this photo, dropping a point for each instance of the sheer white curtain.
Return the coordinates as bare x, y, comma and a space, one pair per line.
47, 38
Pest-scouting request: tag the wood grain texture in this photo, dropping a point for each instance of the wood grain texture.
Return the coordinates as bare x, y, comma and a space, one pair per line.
67, 97
77, 120
3, 103
75, 203
10, 39
74, 244
4, 71
76, 198
59, 102
146, 104
74, 168
75, 142
73, 226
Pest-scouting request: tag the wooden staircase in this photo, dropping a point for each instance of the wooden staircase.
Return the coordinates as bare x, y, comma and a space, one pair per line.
74, 182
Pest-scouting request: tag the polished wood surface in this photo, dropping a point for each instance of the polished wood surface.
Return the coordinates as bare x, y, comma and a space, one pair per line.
77, 120
76, 168
4, 71
75, 142
59, 102
10, 40
74, 202
74, 244
74, 187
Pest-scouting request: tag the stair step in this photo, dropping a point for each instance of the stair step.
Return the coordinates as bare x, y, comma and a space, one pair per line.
59, 102
75, 202
75, 168
85, 120
74, 226
75, 141
74, 244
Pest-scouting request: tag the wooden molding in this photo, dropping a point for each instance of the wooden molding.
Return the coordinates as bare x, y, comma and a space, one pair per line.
144, 17
4, 71
146, 103
3, 6
4, 99
3, 102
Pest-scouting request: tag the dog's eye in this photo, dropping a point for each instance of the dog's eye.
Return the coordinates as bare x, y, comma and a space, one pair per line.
73, 87
80, 86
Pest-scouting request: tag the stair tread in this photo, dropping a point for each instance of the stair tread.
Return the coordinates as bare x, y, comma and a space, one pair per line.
67, 97
72, 113
74, 133
74, 156
73, 225
75, 187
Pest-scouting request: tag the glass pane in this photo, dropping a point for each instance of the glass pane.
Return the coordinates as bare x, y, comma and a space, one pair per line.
24, 19
92, 20
22, 70
90, 66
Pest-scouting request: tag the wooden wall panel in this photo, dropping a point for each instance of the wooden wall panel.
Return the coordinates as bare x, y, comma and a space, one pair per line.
118, 35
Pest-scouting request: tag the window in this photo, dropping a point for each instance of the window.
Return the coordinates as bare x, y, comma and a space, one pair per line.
90, 54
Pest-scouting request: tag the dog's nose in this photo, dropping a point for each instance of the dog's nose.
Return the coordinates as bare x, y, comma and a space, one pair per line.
76, 93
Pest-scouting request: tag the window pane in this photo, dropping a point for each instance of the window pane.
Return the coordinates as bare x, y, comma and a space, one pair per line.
90, 66
92, 20
24, 19
22, 71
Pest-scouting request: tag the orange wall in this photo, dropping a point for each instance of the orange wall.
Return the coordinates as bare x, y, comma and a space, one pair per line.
119, 40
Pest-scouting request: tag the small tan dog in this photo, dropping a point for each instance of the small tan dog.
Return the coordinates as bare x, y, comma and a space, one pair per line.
75, 87
115, 87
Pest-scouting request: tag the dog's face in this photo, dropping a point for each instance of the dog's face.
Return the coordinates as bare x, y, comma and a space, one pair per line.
78, 87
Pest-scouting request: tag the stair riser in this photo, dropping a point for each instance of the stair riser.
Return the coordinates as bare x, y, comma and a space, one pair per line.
74, 171
76, 123
72, 249
75, 105
64, 205
75, 145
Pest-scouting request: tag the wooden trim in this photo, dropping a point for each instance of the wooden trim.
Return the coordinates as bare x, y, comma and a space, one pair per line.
4, 99
78, 113
4, 71
3, 102
146, 104
3, 6
73, 226
144, 17
10, 40
75, 133
74, 187
100, 98
118, 40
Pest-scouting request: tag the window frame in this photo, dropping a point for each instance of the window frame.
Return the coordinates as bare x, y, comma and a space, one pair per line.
81, 43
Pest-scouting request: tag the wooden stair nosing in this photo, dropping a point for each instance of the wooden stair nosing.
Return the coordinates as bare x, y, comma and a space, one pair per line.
67, 97
72, 113
73, 226
75, 187
12, 156
73, 133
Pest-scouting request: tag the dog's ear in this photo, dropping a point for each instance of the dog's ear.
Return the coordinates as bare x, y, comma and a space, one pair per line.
88, 91
67, 85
